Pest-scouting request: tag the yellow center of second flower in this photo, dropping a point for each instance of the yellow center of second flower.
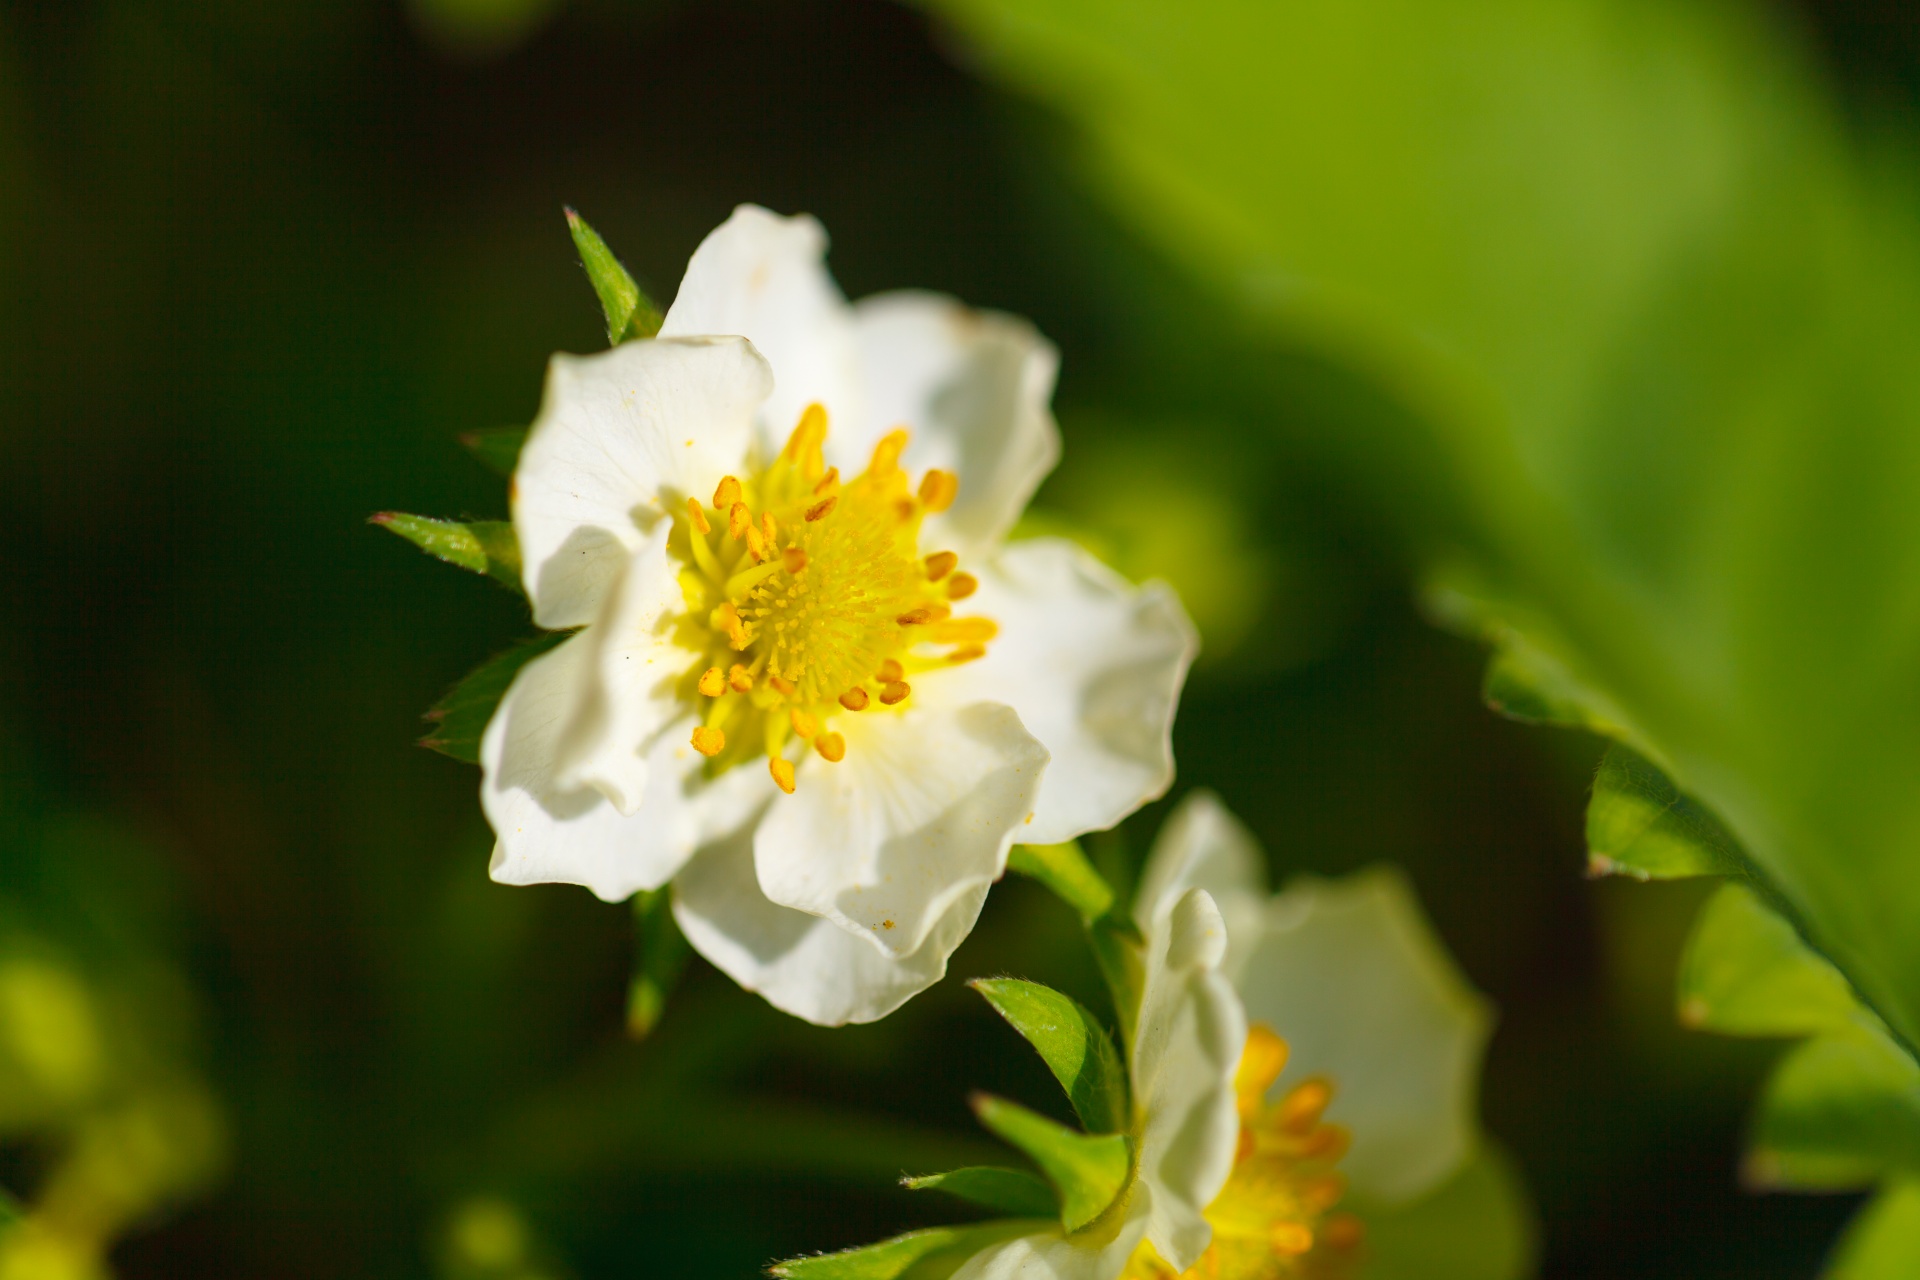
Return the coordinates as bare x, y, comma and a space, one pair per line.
1273, 1220
808, 597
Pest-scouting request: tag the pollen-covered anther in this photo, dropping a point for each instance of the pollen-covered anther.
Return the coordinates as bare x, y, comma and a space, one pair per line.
793, 559
967, 653
938, 489
713, 682
697, 517
768, 528
895, 693
891, 671
739, 679
709, 742
940, 564
962, 585
727, 618
1290, 1238
819, 510
831, 746
828, 480
726, 493
782, 771
1302, 1108
855, 699
1261, 1061
803, 724
973, 630
915, 617
756, 543
781, 685
886, 454
739, 521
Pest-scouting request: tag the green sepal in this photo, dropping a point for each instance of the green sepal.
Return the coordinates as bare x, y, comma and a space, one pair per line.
659, 957
461, 717
629, 312
932, 1254
498, 448
1073, 1044
1883, 1240
1012, 1191
1640, 825
1522, 684
483, 546
1841, 1110
1745, 972
1087, 1171
1065, 870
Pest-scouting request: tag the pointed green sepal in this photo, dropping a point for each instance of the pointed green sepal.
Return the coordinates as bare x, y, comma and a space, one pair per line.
659, 956
1883, 1241
1838, 1113
1012, 1191
1640, 825
1073, 1044
629, 313
1088, 1172
461, 717
1064, 868
1745, 972
498, 448
891, 1259
483, 546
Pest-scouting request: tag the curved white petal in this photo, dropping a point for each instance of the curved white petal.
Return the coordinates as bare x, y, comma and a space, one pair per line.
804, 964
1185, 1051
764, 277
1093, 665
549, 834
1201, 845
1352, 977
973, 388
1099, 1252
918, 816
621, 436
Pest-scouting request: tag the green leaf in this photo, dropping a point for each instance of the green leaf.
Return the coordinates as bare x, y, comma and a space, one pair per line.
1477, 1225
483, 546
1883, 1240
629, 313
917, 1255
1088, 1172
1073, 1044
1064, 869
1839, 1112
660, 954
498, 448
1639, 825
461, 717
1745, 972
1012, 1191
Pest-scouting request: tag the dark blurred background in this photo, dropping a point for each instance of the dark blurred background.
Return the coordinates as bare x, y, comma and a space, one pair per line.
261, 265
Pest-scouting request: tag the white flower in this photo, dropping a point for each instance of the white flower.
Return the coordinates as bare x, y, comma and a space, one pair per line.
781, 525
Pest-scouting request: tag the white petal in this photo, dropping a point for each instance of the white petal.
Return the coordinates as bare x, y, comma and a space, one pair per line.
1098, 1253
1094, 667
547, 834
918, 816
803, 964
764, 277
621, 437
1350, 974
1184, 1054
973, 388
1201, 845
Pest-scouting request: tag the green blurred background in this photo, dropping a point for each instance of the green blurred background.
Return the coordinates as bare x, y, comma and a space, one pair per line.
264, 263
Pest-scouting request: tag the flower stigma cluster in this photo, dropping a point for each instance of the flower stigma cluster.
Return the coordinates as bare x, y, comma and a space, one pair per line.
807, 598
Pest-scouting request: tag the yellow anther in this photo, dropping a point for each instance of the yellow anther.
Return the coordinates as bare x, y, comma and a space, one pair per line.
819, 510
739, 520
780, 686
973, 630
1301, 1109
1322, 1193
905, 509
916, 617
698, 517
1290, 1238
1261, 1062
782, 771
752, 576
793, 559
1328, 1142
767, 527
756, 543
886, 454
726, 494
804, 725
803, 446
828, 480
831, 746
962, 585
709, 742
967, 653
739, 679
938, 489
713, 682
940, 564
895, 692
854, 699
891, 671
727, 619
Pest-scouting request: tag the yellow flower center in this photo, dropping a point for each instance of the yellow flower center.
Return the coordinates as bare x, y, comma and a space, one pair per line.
1273, 1220
808, 597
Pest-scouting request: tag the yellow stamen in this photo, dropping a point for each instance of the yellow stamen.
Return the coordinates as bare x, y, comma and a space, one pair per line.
972, 630
962, 585
1261, 1062
1291, 1238
828, 481
915, 617
768, 529
854, 699
896, 692
831, 746
782, 771
967, 653
756, 544
938, 489
803, 446
709, 742
818, 511
779, 685
739, 679
891, 671
752, 576
1301, 1109
739, 520
940, 564
726, 494
712, 682
697, 517
793, 559
804, 725
886, 454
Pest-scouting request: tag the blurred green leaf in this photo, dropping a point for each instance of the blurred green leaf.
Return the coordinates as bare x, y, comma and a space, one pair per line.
1639, 825
1012, 1191
483, 546
1477, 1225
660, 954
1745, 972
1088, 1172
908, 1257
1841, 1110
1883, 1241
460, 718
629, 313
1073, 1044
498, 448
1064, 869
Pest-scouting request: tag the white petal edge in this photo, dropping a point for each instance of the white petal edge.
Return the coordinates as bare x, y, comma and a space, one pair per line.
1350, 974
802, 964
546, 834
621, 437
920, 814
1094, 666
1099, 1252
973, 388
1187, 1046
1202, 845
765, 278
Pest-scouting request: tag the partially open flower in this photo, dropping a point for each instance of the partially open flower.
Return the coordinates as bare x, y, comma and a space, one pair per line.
816, 689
